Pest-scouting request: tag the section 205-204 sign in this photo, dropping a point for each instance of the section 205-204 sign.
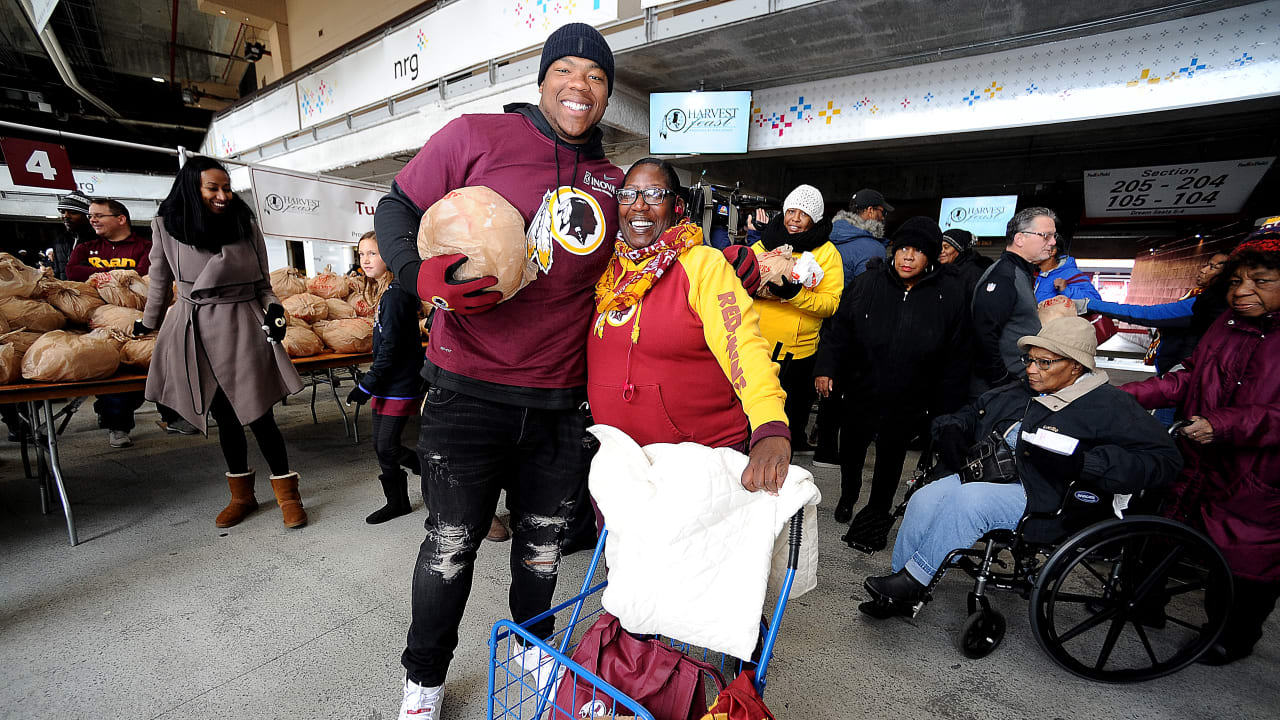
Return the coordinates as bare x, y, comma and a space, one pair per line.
699, 122
1212, 188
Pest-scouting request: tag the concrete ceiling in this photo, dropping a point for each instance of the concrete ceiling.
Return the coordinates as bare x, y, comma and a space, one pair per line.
845, 37
115, 48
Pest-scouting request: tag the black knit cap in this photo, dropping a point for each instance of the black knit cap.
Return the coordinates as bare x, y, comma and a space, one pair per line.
959, 239
921, 233
577, 40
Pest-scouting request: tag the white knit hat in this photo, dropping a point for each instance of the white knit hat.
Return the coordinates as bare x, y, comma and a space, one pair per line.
807, 199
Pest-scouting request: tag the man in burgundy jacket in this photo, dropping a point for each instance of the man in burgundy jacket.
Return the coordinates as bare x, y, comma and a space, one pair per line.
115, 248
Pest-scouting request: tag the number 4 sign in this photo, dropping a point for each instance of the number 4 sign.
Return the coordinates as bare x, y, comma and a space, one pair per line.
38, 164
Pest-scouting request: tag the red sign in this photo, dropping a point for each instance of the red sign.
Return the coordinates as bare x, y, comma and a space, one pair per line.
38, 164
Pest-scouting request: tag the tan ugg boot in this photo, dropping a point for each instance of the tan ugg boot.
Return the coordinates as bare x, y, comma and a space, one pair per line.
242, 500
287, 497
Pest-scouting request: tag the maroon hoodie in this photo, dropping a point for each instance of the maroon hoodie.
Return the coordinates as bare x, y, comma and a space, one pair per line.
536, 339
102, 255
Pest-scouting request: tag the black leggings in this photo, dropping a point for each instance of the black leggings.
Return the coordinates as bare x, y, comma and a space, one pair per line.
393, 456
235, 448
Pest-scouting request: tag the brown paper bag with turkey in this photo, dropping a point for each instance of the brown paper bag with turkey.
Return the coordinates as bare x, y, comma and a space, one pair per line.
339, 309
329, 284
306, 307
774, 264
287, 282
61, 356
76, 300
1058, 306
136, 352
114, 317
10, 364
300, 341
35, 315
125, 288
482, 225
346, 336
17, 279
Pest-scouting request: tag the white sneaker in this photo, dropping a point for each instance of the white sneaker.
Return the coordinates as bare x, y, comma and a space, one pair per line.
421, 703
532, 660
119, 439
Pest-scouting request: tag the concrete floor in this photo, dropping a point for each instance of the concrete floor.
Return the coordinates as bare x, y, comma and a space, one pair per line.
158, 614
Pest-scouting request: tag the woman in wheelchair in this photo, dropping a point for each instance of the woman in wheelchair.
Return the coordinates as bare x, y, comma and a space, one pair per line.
1064, 424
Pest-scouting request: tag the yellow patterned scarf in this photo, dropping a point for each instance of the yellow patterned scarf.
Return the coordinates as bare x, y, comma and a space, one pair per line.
611, 296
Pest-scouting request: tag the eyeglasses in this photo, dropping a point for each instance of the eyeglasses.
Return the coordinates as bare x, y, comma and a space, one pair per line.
1050, 236
99, 216
1042, 363
652, 196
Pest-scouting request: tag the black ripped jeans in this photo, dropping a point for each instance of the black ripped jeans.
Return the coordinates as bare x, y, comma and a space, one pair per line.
470, 450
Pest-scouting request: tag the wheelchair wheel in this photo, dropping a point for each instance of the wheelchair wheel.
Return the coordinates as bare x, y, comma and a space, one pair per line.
981, 634
1161, 581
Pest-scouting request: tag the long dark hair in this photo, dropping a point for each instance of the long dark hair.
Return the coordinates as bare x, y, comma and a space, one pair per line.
190, 222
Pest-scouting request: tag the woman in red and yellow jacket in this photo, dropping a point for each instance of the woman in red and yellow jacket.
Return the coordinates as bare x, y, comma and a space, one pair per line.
675, 352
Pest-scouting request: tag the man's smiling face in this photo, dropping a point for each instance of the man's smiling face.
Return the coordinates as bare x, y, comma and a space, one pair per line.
575, 93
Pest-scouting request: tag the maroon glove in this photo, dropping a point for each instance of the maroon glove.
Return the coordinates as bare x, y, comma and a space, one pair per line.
745, 266
437, 286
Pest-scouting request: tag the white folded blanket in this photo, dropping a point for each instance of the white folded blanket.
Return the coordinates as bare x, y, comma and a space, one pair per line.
689, 549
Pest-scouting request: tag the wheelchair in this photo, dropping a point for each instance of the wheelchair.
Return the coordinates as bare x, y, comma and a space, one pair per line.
1119, 600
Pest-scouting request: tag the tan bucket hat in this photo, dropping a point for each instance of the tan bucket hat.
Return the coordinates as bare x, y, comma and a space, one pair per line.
1069, 337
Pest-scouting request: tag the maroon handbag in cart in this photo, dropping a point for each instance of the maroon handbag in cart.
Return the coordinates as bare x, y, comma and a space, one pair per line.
669, 684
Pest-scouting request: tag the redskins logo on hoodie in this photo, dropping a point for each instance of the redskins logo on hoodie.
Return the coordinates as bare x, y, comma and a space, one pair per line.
568, 217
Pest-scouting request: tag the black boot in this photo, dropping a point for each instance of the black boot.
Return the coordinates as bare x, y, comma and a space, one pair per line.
869, 531
397, 492
899, 587
844, 510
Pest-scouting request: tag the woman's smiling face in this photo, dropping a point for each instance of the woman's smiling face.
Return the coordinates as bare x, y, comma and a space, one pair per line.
643, 223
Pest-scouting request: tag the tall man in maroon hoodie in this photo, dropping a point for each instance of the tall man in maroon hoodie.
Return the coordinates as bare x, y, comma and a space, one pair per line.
116, 247
507, 381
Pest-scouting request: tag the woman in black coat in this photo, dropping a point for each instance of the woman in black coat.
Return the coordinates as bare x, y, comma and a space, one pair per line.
898, 349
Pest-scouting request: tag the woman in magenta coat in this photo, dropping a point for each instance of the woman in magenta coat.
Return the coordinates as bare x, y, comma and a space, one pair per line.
1230, 483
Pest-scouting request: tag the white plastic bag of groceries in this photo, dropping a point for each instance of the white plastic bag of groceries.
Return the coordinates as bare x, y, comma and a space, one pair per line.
482, 225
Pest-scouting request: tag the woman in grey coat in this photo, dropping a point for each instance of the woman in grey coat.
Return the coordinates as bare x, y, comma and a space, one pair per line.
211, 356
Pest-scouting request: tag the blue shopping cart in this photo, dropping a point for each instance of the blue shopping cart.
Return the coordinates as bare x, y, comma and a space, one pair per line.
514, 691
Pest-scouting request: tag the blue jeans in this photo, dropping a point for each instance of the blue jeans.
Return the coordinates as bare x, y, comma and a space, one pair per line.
945, 515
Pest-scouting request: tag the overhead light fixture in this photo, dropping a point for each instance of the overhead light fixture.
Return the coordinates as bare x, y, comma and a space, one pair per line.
224, 12
157, 78
253, 51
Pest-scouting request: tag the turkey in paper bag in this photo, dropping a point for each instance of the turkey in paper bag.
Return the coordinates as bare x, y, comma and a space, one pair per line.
480, 224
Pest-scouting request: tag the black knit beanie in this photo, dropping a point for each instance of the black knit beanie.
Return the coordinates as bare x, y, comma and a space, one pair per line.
577, 40
959, 239
920, 233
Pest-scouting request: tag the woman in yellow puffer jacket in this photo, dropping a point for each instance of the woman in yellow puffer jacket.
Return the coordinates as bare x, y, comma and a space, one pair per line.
791, 318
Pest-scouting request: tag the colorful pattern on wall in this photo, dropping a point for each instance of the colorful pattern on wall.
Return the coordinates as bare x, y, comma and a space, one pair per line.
1217, 57
313, 101
542, 14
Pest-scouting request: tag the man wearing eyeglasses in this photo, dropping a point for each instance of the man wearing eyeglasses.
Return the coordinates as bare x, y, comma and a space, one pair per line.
1004, 302
116, 247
